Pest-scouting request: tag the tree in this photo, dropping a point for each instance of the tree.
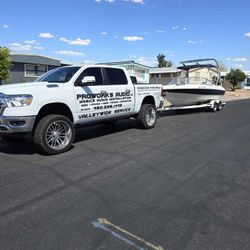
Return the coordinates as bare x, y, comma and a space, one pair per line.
162, 62
5, 64
235, 76
222, 66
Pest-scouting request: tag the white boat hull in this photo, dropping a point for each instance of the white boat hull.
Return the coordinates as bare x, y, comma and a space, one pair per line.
192, 94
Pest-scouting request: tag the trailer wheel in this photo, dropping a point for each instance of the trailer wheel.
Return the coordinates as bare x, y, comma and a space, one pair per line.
219, 106
147, 116
214, 107
54, 134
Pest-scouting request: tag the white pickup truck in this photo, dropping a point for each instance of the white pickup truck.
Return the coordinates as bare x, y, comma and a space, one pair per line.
50, 108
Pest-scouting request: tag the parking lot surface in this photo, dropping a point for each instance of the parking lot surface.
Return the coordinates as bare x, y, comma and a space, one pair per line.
183, 185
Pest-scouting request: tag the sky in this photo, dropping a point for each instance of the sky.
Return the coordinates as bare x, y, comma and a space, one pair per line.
96, 31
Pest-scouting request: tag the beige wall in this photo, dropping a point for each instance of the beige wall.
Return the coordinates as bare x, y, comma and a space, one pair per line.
203, 72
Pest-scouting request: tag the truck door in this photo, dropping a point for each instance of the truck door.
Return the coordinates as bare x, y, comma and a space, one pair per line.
121, 92
89, 96
105, 94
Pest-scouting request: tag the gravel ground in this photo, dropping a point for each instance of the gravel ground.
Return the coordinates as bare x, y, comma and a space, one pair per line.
236, 95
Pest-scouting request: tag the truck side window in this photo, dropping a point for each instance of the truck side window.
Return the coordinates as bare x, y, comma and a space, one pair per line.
115, 77
96, 72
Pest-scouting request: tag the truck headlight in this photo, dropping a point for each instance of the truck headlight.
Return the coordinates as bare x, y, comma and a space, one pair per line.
18, 100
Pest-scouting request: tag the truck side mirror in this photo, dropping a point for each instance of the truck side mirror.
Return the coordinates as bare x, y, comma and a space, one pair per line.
88, 79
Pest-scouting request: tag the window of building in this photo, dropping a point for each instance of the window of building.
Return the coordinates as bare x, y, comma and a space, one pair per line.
32, 70
140, 74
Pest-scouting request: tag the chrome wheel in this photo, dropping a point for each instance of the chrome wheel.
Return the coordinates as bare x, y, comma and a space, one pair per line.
58, 135
150, 116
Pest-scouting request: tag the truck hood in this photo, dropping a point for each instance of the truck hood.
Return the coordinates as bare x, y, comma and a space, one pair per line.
25, 88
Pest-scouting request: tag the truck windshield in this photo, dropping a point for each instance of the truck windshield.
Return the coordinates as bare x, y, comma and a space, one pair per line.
62, 74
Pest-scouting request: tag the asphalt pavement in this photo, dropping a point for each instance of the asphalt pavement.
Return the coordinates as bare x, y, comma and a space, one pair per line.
183, 185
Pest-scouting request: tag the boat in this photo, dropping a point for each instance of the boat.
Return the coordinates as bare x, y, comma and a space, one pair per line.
199, 83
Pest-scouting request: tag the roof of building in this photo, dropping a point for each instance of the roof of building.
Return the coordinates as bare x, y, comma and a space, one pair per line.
163, 70
35, 59
126, 63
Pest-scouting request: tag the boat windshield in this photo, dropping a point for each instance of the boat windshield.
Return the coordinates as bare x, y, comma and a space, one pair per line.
59, 75
190, 80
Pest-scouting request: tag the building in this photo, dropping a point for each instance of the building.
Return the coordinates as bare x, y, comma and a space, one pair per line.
247, 80
242, 84
141, 72
27, 68
163, 75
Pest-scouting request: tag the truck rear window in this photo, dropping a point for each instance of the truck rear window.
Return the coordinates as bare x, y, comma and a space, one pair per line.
115, 77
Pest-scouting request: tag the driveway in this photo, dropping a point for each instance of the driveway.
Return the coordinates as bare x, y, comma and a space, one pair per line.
183, 185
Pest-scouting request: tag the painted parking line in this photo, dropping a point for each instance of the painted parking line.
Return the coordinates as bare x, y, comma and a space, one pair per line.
121, 234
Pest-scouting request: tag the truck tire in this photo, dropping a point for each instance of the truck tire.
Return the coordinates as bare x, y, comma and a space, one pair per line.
147, 116
54, 134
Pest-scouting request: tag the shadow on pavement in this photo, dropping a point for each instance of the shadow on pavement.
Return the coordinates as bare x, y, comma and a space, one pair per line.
183, 112
27, 147
103, 129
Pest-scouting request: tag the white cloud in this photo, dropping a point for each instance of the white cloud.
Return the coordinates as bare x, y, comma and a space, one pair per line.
78, 41
184, 28
20, 47
46, 35
195, 42
133, 38
175, 27
82, 42
27, 45
69, 53
88, 62
237, 59
30, 42
238, 66
112, 1
108, 1
152, 62
247, 34
104, 33
63, 39
38, 47
5, 26
135, 1
160, 31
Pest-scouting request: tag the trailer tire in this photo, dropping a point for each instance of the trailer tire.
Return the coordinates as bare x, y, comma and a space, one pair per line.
214, 107
219, 106
147, 116
54, 134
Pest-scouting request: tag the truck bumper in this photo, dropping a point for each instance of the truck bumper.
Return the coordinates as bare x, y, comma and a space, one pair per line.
16, 124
